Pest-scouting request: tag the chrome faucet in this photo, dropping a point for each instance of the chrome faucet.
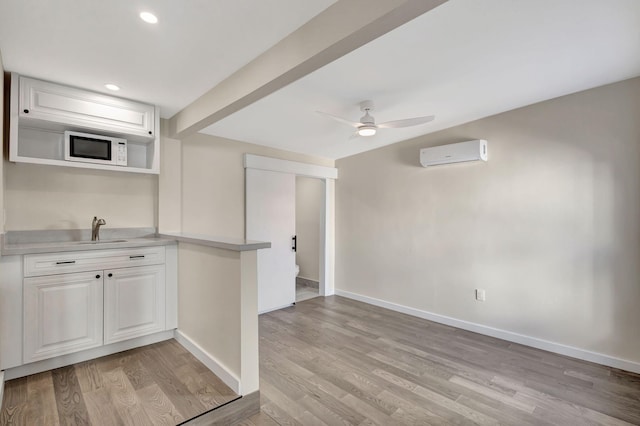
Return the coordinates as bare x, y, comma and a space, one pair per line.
95, 228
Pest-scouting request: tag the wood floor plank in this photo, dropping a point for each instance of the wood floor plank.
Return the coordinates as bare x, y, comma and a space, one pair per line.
136, 373
101, 409
89, 376
158, 406
284, 409
369, 412
124, 398
260, 419
42, 408
207, 394
14, 402
161, 370
507, 414
279, 415
69, 400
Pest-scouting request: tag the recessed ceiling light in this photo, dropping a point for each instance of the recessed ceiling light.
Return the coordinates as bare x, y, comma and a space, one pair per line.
111, 86
149, 17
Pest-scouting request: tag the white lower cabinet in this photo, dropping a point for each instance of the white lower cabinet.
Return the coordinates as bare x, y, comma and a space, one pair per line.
62, 314
66, 311
134, 302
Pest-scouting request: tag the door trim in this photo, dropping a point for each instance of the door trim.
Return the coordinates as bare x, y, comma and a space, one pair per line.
285, 166
327, 217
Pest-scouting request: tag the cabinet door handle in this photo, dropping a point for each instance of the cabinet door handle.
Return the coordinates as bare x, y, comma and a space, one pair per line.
65, 262
110, 275
140, 256
98, 276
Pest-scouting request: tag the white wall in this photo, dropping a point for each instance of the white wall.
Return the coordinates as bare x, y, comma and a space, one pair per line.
549, 227
209, 301
202, 191
309, 196
169, 182
52, 197
213, 183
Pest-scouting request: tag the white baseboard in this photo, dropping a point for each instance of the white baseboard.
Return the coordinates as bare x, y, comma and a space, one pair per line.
288, 305
68, 359
1, 386
209, 360
510, 336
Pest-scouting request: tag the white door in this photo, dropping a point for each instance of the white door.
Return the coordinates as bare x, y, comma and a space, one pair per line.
271, 216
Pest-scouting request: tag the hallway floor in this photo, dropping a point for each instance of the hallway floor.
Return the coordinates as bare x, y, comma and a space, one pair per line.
306, 289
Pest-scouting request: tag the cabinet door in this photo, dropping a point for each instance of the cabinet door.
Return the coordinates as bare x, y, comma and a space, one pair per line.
134, 302
62, 314
76, 107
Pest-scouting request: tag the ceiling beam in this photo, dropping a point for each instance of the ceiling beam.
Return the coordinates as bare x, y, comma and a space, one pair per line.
338, 30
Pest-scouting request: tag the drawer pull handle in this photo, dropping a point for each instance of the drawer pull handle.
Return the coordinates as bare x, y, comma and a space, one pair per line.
98, 276
140, 256
66, 262
110, 275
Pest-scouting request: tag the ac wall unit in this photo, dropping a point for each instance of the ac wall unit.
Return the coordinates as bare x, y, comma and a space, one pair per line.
454, 153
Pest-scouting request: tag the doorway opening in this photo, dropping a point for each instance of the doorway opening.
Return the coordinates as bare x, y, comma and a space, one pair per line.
270, 207
309, 204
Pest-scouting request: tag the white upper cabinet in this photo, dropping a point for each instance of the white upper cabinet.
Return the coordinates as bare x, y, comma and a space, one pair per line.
41, 100
40, 112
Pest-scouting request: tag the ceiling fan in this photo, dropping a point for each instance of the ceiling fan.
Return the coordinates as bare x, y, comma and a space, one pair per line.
367, 125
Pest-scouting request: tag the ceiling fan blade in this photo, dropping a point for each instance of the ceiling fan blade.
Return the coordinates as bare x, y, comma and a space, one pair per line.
354, 135
340, 119
408, 122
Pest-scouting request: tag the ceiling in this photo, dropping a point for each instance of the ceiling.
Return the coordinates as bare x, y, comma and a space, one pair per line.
195, 45
464, 60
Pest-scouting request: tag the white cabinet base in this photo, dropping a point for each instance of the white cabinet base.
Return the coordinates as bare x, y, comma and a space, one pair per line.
62, 314
69, 359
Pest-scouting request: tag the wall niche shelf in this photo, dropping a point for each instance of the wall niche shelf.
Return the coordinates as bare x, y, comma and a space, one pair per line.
40, 112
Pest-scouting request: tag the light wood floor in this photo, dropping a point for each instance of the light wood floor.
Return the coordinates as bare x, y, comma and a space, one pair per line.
334, 361
305, 292
160, 384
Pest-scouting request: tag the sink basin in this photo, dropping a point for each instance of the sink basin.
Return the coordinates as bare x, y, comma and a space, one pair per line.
102, 242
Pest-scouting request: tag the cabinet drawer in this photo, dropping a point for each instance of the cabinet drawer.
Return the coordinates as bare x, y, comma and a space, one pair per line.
43, 100
66, 262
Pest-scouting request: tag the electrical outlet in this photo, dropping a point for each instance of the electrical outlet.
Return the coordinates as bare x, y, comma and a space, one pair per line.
480, 295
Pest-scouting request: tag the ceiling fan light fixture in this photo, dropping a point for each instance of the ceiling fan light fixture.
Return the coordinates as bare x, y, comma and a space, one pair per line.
149, 17
366, 130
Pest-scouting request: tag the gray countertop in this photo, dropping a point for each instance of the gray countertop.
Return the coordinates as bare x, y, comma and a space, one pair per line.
56, 241
64, 240
234, 244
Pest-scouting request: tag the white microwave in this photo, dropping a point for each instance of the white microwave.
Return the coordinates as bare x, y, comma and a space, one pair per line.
98, 149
